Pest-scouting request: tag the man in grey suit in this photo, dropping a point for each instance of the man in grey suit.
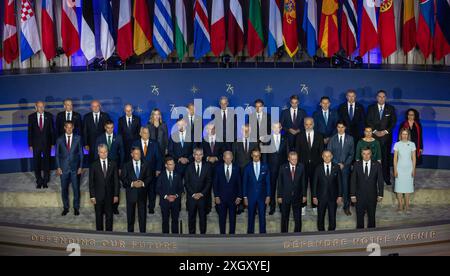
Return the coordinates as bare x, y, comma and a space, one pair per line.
343, 148
69, 160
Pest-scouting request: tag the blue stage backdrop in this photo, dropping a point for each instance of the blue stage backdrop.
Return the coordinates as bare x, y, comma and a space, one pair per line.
428, 92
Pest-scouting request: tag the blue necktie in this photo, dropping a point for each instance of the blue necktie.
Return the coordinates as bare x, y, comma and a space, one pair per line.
257, 171
381, 113
325, 115
137, 170
351, 112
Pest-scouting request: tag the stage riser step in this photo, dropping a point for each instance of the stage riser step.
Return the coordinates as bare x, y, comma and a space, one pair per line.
42, 198
386, 216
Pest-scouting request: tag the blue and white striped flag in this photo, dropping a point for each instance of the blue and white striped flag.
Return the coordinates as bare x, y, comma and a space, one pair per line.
163, 28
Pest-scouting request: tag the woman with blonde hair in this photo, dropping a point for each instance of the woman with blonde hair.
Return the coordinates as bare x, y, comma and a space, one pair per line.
404, 169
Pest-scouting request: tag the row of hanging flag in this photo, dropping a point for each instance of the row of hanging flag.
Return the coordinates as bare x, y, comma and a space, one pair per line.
345, 24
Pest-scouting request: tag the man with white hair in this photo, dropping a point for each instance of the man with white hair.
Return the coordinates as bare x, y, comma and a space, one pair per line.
93, 126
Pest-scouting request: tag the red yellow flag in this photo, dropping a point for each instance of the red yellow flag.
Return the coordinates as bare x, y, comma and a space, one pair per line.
290, 36
328, 33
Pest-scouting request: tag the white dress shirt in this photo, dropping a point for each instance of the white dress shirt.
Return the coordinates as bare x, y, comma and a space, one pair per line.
71, 139
292, 113
369, 163
38, 115
70, 115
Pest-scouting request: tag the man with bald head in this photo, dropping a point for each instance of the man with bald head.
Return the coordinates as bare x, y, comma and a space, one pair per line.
129, 127
93, 126
41, 138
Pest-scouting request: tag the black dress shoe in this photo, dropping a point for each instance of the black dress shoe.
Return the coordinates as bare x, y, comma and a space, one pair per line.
76, 212
271, 212
347, 212
150, 211
116, 212
38, 186
45, 186
65, 212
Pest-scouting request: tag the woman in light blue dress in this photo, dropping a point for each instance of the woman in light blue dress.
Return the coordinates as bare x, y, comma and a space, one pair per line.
404, 169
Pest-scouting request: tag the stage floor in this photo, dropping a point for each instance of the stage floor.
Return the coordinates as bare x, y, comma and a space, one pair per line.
21, 203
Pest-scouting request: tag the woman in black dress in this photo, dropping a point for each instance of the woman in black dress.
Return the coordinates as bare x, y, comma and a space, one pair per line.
412, 122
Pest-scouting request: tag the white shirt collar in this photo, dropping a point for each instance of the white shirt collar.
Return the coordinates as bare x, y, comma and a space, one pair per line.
106, 161
381, 106
96, 113
212, 138
143, 141
71, 136
112, 135
169, 172
138, 162
327, 111
341, 135
69, 112
327, 164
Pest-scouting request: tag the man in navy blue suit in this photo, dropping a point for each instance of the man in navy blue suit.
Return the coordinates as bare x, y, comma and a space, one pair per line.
292, 120
169, 186
227, 192
151, 154
325, 119
69, 161
256, 191
116, 151
180, 148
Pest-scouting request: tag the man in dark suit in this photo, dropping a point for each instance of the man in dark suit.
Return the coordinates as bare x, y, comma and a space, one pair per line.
242, 150
194, 125
327, 191
381, 116
93, 126
68, 115
343, 149
41, 138
353, 115
116, 150
129, 127
275, 153
136, 179
169, 186
291, 192
69, 164
310, 145
151, 154
104, 188
256, 191
292, 121
325, 119
225, 121
180, 148
197, 181
366, 188
212, 153
260, 121
227, 192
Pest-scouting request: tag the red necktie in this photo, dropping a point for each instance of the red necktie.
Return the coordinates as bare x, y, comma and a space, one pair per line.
68, 143
41, 123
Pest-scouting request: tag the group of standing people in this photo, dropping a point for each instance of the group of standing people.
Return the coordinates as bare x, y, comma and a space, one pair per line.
342, 156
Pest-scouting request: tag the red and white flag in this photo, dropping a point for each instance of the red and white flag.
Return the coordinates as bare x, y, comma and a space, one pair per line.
69, 28
369, 31
125, 31
48, 29
235, 28
217, 27
10, 44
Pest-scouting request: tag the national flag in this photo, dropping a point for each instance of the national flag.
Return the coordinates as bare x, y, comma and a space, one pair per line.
202, 44
386, 28
218, 35
163, 28
409, 26
328, 34
48, 29
349, 27
181, 40
310, 26
368, 28
290, 35
142, 39
442, 30
235, 28
88, 30
107, 45
10, 44
29, 36
255, 39
275, 36
124, 31
425, 29
69, 28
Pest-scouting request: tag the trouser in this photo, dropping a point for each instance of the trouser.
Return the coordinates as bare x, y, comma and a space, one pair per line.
285, 214
361, 208
323, 207
346, 186
227, 208
273, 187
261, 206
151, 194
310, 168
197, 207
104, 214
170, 211
66, 178
142, 215
41, 164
